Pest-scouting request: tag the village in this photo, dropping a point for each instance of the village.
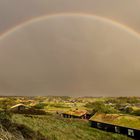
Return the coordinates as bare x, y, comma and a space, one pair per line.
115, 115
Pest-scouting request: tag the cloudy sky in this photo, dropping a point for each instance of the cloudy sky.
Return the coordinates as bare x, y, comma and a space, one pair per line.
75, 48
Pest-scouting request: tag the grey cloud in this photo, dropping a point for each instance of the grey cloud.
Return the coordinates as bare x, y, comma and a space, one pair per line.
70, 55
15, 12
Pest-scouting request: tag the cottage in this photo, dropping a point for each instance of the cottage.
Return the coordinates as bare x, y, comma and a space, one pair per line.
118, 123
81, 114
18, 108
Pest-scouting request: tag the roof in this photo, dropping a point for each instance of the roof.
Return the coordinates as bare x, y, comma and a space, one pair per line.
77, 113
118, 119
17, 105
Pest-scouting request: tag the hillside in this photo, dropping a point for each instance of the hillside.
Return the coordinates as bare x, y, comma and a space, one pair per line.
54, 127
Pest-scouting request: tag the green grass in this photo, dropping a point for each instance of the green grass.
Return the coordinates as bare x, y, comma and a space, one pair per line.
135, 108
64, 107
57, 128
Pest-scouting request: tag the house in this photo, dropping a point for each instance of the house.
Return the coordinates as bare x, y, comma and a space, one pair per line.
18, 108
81, 114
118, 123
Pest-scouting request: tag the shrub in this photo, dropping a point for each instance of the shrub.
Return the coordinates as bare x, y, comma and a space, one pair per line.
128, 110
136, 112
5, 115
100, 107
32, 111
40, 106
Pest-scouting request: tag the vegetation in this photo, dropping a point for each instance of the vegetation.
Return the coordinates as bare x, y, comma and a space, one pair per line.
100, 107
6, 135
55, 128
5, 103
43, 121
40, 105
136, 112
9, 130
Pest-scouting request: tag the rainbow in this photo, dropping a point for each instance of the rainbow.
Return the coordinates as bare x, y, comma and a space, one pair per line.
99, 18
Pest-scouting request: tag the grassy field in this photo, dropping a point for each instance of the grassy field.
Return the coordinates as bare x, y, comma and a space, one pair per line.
54, 127
57, 128
53, 107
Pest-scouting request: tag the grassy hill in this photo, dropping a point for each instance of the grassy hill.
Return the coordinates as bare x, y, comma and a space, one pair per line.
57, 128
54, 127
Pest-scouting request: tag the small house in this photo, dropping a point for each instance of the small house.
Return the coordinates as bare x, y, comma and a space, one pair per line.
18, 108
117, 123
81, 114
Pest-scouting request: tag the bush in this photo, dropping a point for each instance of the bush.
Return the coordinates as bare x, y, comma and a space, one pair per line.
32, 111
136, 112
40, 106
5, 115
100, 107
128, 110
6, 103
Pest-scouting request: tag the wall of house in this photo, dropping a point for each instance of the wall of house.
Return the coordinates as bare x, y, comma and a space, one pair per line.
20, 108
72, 116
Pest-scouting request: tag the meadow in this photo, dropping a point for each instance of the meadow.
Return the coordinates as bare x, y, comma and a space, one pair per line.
54, 127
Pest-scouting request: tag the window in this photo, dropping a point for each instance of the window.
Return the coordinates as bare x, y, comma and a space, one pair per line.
21, 108
130, 132
99, 125
117, 129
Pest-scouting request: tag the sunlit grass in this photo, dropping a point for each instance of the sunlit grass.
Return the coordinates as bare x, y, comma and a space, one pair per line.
57, 128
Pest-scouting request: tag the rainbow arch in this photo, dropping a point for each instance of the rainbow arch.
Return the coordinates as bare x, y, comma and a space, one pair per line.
99, 18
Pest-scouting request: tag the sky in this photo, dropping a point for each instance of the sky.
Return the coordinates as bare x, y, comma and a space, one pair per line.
70, 48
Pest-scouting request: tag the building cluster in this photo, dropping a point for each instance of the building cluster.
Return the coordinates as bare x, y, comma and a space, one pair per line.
117, 123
